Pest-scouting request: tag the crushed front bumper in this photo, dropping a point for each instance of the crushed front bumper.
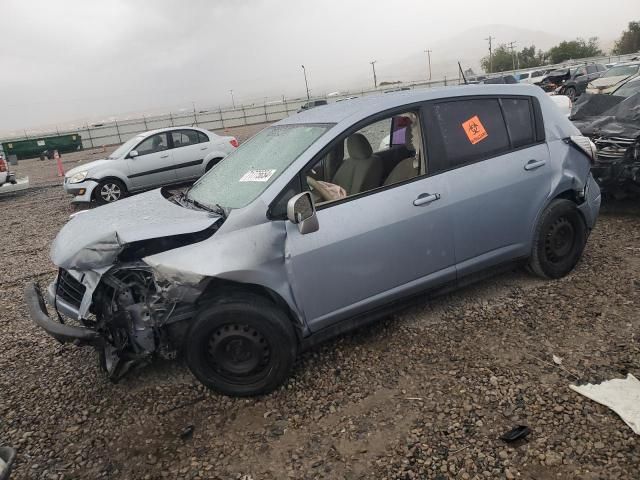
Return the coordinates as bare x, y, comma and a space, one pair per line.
61, 332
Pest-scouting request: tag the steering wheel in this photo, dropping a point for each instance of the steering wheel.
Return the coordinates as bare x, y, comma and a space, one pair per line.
317, 186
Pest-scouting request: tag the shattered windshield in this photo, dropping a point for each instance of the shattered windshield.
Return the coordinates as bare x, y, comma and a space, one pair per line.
628, 89
243, 175
124, 148
622, 70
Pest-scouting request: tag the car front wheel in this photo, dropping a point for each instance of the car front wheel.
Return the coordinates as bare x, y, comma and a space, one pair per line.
571, 93
109, 190
241, 346
559, 240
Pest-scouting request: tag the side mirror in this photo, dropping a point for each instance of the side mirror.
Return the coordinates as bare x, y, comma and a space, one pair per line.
133, 154
7, 457
302, 211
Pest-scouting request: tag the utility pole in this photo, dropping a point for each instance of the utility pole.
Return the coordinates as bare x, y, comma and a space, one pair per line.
375, 80
490, 53
513, 58
428, 52
233, 103
305, 81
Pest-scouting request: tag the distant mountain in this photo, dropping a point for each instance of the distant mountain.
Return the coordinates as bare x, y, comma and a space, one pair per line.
469, 47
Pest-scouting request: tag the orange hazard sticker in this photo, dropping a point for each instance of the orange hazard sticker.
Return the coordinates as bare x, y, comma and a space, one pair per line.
475, 130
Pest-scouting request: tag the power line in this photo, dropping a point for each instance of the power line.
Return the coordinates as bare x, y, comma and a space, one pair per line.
375, 80
428, 52
490, 38
511, 46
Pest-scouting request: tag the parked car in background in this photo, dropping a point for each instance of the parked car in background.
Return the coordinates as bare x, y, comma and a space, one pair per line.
571, 81
576, 84
501, 80
306, 231
532, 76
610, 79
628, 88
5, 175
612, 122
312, 104
148, 160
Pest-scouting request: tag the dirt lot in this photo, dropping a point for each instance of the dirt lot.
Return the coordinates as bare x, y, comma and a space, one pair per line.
425, 394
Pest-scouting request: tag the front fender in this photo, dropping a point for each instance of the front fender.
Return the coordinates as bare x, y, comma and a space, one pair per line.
252, 255
110, 173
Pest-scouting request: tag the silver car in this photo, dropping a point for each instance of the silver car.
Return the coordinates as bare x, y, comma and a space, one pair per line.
305, 231
148, 160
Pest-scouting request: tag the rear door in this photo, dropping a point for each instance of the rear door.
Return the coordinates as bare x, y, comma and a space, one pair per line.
499, 177
154, 164
189, 149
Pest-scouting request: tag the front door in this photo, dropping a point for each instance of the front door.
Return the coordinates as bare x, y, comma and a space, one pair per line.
372, 250
153, 166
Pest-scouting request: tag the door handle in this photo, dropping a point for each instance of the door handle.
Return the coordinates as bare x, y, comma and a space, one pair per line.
203, 148
164, 156
533, 164
426, 198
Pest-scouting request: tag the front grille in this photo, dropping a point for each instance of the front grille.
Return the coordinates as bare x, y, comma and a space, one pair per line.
612, 148
69, 289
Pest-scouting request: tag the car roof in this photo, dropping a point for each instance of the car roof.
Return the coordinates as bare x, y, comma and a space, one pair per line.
626, 64
363, 107
170, 129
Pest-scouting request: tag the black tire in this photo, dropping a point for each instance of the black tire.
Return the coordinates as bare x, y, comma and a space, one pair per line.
241, 346
109, 190
559, 240
571, 93
211, 164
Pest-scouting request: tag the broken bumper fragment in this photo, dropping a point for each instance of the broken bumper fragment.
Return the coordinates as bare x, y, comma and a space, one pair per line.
61, 332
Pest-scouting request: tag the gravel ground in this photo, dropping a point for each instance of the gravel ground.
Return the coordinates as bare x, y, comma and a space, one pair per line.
424, 394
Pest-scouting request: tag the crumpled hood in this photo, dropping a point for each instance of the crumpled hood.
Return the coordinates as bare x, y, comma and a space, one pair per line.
94, 238
87, 167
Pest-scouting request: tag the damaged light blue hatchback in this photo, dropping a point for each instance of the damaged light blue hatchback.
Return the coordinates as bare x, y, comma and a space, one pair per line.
320, 223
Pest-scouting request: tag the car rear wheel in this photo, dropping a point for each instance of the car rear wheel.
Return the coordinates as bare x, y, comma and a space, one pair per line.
559, 240
211, 164
241, 346
109, 191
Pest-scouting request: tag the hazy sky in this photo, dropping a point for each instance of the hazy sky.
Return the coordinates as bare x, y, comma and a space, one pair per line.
69, 60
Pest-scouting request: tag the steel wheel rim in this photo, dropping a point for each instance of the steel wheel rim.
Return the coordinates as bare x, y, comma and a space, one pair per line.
238, 353
560, 240
110, 192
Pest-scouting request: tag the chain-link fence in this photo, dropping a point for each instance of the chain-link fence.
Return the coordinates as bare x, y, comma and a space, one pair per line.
116, 132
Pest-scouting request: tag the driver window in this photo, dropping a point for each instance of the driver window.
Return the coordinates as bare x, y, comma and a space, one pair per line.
383, 153
153, 144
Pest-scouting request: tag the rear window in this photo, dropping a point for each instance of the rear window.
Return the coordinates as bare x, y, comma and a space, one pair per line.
470, 130
519, 117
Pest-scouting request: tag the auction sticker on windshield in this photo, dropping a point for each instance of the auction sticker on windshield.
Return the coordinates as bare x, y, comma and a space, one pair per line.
257, 176
475, 130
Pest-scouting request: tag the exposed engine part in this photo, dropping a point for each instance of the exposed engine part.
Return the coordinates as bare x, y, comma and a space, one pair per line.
617, 168
615, 148
131, 315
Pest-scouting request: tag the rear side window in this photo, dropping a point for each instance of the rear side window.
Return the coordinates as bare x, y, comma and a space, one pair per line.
202, 138
519, 117
470, 130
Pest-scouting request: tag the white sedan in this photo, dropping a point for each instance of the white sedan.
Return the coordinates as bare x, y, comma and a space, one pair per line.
148, 160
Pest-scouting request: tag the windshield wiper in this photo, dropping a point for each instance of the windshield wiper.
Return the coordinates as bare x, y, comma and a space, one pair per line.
217, 209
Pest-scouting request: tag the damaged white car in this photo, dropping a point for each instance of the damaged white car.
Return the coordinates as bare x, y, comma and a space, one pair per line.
305, 231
